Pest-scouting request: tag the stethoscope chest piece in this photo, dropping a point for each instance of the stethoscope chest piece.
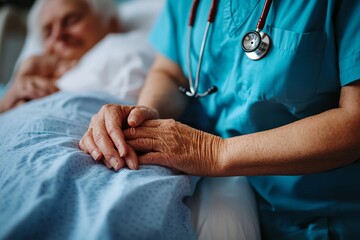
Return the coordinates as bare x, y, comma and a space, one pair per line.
256, 45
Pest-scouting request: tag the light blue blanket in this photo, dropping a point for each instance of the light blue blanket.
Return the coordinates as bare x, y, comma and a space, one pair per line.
49, 189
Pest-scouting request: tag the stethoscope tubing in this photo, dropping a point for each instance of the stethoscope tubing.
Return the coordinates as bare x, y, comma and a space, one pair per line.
194, 85
264, 13
256, 53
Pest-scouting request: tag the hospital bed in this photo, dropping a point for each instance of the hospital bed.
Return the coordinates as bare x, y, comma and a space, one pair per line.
218, 205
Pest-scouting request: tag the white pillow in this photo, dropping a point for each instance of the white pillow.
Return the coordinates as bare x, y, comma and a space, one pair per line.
139, 14
134, 14
117, 65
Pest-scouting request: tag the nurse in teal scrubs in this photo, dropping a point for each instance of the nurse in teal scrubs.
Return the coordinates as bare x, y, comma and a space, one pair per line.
290, 121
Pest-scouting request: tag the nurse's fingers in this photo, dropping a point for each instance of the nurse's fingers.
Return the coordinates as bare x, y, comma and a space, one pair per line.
140, 114
154, 158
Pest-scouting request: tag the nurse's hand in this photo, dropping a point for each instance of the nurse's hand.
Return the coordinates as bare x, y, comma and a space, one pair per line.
104, 139
175, 145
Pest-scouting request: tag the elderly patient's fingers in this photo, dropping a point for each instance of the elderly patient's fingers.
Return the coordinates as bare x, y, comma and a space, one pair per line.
41, 65
36, 87
113, 128
131, 159
63, 67
105, 144
45, 84
87, 142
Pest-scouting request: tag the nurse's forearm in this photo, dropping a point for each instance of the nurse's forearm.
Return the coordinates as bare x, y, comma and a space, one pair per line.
161, 92
315, 144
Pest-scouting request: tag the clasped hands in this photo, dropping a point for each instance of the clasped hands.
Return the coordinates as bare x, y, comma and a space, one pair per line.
123, 136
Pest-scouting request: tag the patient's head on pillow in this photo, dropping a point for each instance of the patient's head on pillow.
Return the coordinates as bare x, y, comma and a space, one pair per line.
69, 28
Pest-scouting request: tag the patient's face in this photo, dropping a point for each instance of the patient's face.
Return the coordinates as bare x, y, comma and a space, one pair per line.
70, 28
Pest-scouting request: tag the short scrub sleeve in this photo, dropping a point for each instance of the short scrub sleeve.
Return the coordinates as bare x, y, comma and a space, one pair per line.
348, 40
163, 36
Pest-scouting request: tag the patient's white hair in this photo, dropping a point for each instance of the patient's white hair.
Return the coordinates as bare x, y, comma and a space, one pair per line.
107, 9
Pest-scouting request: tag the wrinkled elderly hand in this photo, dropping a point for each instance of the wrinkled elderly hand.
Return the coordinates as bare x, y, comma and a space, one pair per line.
175, 145
35, 79
104, 139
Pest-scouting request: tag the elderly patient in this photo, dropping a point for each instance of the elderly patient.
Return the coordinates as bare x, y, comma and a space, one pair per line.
83, 49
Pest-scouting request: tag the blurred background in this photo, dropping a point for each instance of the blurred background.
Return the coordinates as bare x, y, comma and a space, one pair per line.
13, 15
12, 33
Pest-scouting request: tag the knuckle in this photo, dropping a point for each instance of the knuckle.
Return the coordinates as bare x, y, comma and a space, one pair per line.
132, 131
110, 153
84, 146
153, 144
112, 130
171, 122
111, 107
105, 107
98, 137
142, 109
111, 110
85, 139
94, 118
169, 125
107, 156
81, 144
142, 143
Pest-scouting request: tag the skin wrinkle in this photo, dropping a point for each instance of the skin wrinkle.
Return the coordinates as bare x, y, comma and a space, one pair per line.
210, 153
314, 144
113, 130
178, 141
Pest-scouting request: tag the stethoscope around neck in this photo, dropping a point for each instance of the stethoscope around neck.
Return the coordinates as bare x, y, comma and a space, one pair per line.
255, 45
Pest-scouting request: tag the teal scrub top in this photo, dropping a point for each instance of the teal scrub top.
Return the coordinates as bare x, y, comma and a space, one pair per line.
315, 50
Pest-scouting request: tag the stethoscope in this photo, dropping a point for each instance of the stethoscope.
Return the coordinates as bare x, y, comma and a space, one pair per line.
255, 44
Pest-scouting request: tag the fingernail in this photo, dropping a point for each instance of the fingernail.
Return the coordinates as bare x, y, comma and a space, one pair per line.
121, 150
107, 164
133, 119
95, 154
131, 164
114, 163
